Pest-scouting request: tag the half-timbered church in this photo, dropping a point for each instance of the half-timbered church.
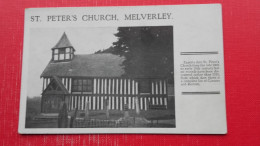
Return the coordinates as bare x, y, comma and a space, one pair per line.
96, 79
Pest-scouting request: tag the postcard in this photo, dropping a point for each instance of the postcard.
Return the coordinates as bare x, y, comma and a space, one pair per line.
125, 69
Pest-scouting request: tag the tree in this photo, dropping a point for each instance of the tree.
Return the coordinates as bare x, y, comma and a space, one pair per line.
148, 51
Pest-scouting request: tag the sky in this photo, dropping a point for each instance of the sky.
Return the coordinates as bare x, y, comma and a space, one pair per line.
84, 40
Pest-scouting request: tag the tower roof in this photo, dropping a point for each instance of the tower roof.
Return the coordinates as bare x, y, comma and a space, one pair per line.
63, 42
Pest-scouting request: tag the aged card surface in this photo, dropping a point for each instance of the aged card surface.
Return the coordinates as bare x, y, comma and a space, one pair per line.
135, 69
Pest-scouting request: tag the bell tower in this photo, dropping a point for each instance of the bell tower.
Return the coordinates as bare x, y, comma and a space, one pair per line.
63, 51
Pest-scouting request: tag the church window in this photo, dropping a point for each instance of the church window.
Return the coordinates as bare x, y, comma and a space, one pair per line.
56, 54
67, 55
62, 54
56, 57
82, 85
67, 50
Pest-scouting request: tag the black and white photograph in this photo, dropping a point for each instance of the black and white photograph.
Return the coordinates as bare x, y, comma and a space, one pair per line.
101, 77
129, 69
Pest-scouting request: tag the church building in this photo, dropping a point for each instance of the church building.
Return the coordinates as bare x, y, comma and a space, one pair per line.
97, 80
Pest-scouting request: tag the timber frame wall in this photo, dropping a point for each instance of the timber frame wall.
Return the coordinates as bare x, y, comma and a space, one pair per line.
116, 92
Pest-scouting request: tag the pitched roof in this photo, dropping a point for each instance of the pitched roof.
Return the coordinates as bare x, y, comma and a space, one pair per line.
60, 84
63, 90
63, 42
91, 65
